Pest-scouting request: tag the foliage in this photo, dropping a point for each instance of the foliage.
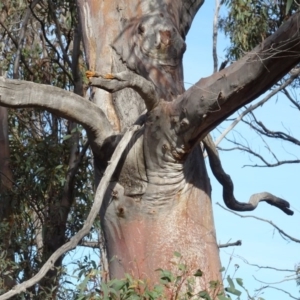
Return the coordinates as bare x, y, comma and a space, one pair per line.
179, 284
48, 203
249, 22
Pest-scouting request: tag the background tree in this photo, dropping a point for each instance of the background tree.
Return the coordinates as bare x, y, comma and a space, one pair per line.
158, 200
40, 42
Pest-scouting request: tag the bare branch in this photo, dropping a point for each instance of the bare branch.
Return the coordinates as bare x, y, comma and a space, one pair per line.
63, 103
262, 129
127, 79
266, 163
225, 180
281, 232
90, 244
278, 289
276, 282
75, 240
297, 104
263, 267
237, 243
251, 108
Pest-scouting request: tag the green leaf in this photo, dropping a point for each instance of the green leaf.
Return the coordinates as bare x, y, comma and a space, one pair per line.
104, 289
233, 291
230, 282
240, 282
118, 284
204, 295
177, 254
66, 137
222, 269
288, 6
39, 170
182, 267
221, 297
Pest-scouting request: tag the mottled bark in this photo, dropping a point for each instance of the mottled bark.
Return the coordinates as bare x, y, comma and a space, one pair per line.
158, 201
161, 202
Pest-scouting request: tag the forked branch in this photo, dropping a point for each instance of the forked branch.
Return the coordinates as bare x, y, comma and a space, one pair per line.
75, 240
127, 79
225, 180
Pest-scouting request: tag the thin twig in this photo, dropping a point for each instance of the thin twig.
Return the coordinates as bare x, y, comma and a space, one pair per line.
273, 287
253, 107
263, 220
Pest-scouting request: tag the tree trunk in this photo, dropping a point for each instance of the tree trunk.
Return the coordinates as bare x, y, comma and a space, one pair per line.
157, 204
6, 184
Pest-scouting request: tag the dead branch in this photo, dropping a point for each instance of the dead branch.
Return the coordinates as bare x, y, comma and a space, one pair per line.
225, 180
277, 282
90, 244
278, 289
244, 148
281, 232
237, 243
264, 267
262, 129
251, 108
297, 104
75, 240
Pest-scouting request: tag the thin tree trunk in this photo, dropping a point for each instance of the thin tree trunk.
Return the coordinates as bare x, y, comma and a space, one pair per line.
6, 184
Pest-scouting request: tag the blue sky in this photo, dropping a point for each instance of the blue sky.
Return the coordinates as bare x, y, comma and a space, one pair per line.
260, 243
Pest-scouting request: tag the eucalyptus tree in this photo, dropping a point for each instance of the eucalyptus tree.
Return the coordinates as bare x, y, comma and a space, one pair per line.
158, 198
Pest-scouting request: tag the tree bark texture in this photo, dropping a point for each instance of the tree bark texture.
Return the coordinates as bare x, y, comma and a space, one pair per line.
158, 205
159, 200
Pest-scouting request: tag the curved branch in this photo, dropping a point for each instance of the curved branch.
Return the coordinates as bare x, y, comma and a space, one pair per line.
24, 94
225, 180
75, 240
126, 79
187, 14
